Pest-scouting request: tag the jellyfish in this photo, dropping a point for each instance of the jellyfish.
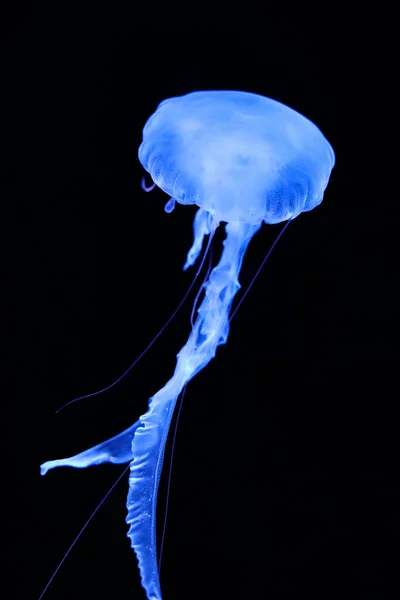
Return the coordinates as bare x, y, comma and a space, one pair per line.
243, 160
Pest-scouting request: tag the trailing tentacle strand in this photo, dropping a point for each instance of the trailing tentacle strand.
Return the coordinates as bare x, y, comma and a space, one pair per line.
210, 329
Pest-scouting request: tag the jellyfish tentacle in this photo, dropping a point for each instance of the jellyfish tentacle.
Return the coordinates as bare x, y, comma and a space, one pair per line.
116, 450
169, 207
145, 440
147, 188
210, 329
202, 226
100, 504
201, 288
212, 231
259, 269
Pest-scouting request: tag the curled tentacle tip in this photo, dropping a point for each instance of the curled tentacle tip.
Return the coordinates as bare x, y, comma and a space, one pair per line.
169, 207
44, 468
147, 188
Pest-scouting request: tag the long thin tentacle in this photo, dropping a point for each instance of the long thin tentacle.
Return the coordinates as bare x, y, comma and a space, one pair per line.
210, 329
111, 385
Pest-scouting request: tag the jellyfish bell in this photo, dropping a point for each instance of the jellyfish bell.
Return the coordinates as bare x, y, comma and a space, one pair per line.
237, 155
242, 159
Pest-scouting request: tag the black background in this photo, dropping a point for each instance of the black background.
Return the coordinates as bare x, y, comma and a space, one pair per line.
287, 440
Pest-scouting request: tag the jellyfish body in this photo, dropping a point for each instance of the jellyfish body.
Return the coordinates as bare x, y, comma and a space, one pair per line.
239, 156
243, 159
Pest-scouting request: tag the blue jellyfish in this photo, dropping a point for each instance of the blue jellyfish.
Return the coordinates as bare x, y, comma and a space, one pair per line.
243, 159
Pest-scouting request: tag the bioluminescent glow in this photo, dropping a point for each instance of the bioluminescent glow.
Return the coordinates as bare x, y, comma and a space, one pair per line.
243, 159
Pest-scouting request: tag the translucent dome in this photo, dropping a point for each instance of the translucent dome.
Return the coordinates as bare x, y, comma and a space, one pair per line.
239, 156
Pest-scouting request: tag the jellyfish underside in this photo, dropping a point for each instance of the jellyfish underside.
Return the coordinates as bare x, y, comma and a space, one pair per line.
243, 159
